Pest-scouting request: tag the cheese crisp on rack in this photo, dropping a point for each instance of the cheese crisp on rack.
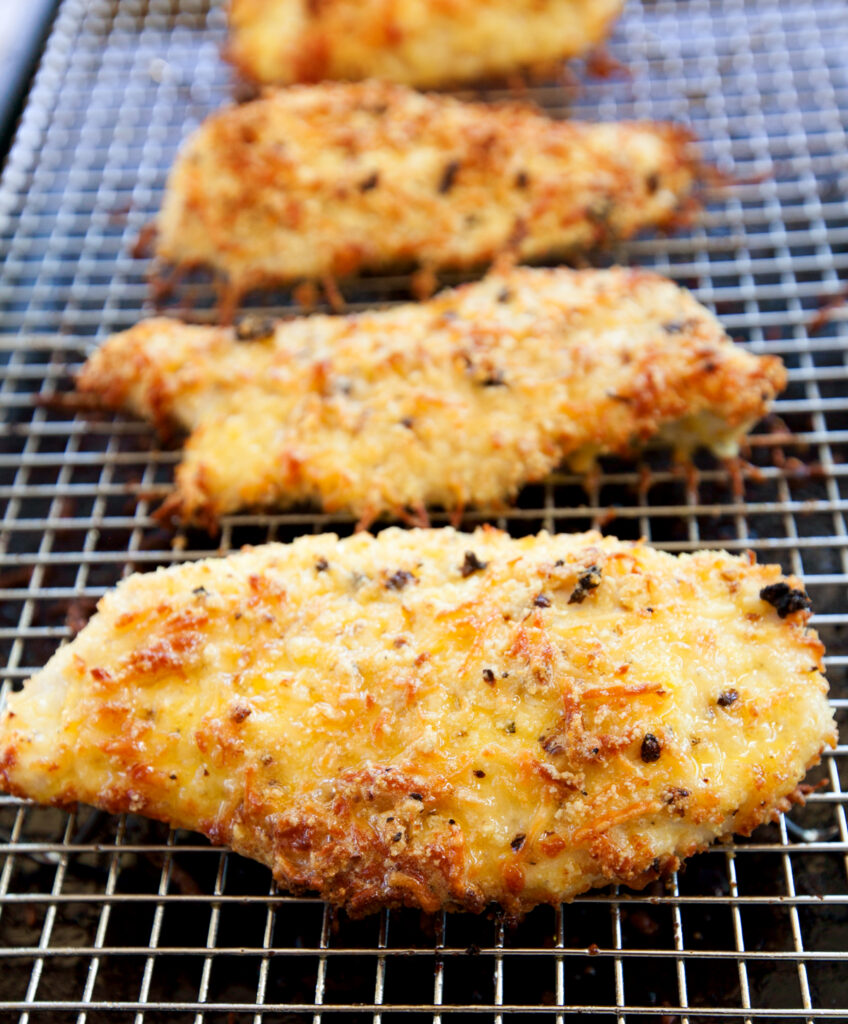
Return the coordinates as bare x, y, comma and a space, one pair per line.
335, 178
437, 719
452, 402
417, 42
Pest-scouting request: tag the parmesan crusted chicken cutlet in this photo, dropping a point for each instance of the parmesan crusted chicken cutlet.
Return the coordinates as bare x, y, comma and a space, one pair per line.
453, 402
335, 178
437, 719
417, 42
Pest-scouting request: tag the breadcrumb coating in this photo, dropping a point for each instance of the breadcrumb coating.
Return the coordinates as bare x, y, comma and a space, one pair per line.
335, 178
415, 42
436, 719
457, 401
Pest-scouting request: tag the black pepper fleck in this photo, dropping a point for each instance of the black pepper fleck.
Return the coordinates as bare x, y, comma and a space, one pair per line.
372, 181
785, 599
522, 179
495, 379
510, 728
479, 773
322, 565
504, 295
396, 838
400, 579
489, 676
727, 698
253, 328
586, 581
416, 796
451, 821
471, 564
651, 748
200, 592
652, 183
600, 211
541, 601
448, 179
518, 842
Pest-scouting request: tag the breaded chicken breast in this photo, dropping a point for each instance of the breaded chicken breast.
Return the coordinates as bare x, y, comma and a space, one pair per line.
437, 719
457, 401
334, 178
416, 42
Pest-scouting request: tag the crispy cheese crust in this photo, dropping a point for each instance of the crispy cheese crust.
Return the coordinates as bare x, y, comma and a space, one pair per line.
415, 42
332, 179
436, 719
457, 401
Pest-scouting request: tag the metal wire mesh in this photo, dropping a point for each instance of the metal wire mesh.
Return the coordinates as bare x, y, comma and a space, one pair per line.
119, 919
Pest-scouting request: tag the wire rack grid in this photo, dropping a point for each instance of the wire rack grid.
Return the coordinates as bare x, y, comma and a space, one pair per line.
118, 919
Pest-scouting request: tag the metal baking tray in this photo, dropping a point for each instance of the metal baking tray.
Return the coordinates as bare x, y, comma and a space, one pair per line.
120, 919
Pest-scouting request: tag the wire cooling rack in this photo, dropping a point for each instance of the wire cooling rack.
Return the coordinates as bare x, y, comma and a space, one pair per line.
118, 919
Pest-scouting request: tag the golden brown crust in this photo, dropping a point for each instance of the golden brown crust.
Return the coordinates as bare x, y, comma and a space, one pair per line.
453, 402
332, 179
433, 719
417, 42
